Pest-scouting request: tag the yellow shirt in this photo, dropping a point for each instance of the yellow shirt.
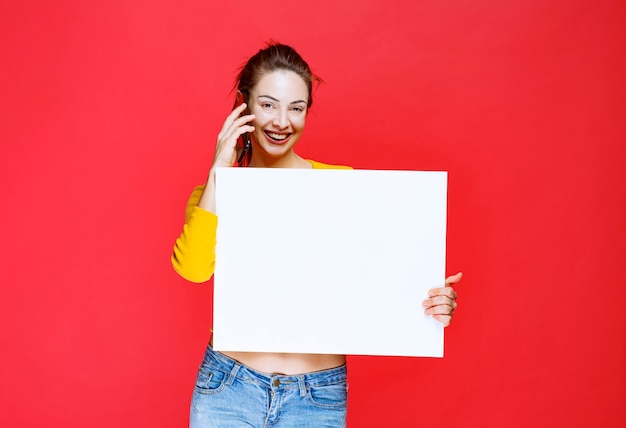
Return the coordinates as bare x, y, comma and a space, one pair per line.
194, 252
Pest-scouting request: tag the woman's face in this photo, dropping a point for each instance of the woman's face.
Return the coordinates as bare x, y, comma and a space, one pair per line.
279, 103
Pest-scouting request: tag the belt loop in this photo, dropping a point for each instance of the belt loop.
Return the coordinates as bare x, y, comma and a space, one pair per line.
233, 374
302, 385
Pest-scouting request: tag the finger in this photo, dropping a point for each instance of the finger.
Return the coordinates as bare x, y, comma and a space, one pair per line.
227, 145
439, 310
230, 125
236, 112
242, 120
233, 115
226, 148
453, 279
234, 132
442, 291
439, 300
443, 319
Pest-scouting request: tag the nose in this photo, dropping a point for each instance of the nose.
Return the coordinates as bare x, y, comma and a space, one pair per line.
281, 119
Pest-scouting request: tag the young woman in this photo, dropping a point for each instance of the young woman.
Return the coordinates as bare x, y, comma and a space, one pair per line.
252, 389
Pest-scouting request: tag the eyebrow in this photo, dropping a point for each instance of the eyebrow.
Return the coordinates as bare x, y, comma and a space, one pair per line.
277, 100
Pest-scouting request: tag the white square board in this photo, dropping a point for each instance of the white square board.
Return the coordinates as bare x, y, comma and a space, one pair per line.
328, 261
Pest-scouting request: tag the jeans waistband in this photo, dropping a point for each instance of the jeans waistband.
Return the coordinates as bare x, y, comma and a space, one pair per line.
273, 381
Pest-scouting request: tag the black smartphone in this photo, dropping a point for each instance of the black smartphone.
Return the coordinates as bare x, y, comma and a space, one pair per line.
244, 143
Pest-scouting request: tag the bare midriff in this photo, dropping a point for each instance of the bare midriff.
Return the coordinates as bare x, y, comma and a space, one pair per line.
285, 363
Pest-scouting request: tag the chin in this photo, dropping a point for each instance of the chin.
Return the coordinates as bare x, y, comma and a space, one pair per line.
276, 152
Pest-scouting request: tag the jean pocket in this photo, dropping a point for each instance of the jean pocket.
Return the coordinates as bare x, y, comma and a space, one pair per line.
210, 380
333, 396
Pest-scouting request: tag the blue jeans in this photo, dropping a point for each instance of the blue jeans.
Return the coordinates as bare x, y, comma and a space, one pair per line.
230, 394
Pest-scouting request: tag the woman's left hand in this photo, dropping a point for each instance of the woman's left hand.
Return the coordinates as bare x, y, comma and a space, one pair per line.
441, 302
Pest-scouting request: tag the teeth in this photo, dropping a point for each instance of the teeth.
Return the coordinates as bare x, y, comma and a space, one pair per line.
277, 136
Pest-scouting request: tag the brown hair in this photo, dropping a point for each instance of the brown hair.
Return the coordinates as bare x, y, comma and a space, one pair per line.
274, 56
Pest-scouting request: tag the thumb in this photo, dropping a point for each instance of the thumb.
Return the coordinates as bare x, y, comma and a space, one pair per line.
454, 279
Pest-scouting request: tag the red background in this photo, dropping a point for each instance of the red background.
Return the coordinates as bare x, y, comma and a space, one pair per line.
108, 117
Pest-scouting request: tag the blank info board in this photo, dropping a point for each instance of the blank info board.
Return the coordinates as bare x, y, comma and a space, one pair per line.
328, 261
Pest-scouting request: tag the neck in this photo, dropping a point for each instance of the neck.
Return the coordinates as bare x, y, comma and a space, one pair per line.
291, 160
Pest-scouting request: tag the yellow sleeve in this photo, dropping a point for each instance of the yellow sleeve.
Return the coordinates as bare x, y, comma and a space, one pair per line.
194, 252
320, 165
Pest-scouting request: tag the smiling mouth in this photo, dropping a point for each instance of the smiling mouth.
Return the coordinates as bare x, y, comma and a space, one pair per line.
276, 137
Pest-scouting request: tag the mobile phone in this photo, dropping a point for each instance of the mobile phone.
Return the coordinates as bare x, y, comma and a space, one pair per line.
244, 143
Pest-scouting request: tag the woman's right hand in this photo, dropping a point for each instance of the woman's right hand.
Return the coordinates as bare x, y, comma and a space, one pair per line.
226, 147
225, 152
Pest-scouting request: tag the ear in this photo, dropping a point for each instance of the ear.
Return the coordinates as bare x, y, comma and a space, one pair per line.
242, 97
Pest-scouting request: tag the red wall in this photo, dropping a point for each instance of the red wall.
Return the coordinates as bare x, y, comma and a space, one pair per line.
108, 116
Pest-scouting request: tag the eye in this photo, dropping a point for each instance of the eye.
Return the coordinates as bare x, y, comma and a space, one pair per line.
267, 105
297, 109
